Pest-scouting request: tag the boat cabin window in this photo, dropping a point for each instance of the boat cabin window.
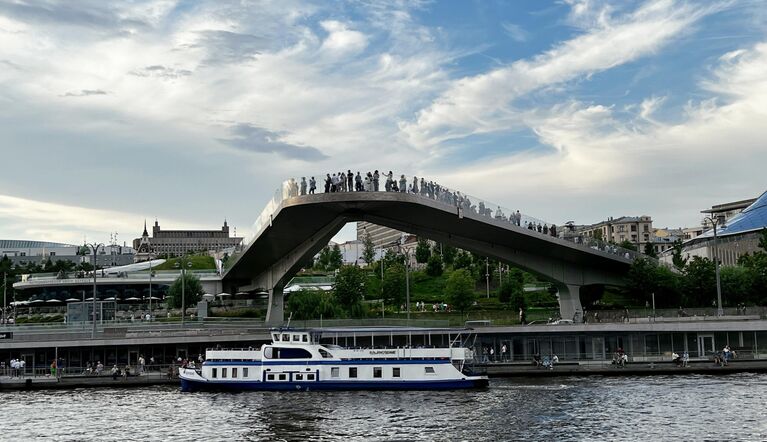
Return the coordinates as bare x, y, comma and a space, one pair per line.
223, 372
325, 354
305, 338
377, 372
428, 370
270, 377
296, 338
334, 372
286, 353
244, 372
310, 377
299, 377
395, 372
285, 337
214, 372
283, 376
234, 372
352, 372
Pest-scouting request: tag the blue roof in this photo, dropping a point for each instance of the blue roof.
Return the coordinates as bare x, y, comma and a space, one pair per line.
752, 218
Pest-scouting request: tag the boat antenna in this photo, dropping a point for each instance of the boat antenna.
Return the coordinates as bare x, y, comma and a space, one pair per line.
289, 318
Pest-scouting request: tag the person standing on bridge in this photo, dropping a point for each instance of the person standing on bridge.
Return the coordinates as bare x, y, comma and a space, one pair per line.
328, 182
358, 182
303, 185
369, 183
349, 180
389, 181
376, 178
312, 186
402, 183
415, 184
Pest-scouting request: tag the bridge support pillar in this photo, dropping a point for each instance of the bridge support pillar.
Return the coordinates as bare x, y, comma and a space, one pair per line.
570, 302
275, 313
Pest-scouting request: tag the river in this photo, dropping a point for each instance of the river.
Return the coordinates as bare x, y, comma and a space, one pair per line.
595, 408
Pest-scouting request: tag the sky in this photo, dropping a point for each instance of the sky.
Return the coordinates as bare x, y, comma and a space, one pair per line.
192, 112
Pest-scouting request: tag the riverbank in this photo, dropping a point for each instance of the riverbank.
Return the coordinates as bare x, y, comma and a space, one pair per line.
70, 382
519, 369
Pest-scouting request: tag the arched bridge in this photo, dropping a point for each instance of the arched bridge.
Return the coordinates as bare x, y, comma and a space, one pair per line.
293, 228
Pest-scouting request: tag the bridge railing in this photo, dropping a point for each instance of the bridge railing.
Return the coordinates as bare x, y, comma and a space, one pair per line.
463, 202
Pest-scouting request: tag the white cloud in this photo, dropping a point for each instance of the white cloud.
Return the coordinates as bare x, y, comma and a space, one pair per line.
44, 221
715, 154
484, 103
341, 40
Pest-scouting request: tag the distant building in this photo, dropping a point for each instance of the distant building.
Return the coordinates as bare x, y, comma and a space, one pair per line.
663, 239
180, 242
23, 252
726, 210
381, 236
634, 229
739, 235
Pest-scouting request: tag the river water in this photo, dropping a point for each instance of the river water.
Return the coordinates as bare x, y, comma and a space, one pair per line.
732, 407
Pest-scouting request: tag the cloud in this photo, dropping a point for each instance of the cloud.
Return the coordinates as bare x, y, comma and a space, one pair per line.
641, 165
85, 93
515, 32
160, 71
341, 40
254, 139
484, 103
45, 221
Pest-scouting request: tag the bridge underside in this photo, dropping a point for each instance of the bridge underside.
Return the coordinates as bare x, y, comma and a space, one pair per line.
303, 225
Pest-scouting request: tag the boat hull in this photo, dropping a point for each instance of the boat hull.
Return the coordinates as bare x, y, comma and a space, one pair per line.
452, 384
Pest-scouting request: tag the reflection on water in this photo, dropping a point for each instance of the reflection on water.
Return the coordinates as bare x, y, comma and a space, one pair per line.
650, 408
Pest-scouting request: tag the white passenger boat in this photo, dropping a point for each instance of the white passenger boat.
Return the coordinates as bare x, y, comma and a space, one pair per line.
296, 360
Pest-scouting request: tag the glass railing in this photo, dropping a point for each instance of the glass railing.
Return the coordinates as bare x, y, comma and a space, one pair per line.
464, 204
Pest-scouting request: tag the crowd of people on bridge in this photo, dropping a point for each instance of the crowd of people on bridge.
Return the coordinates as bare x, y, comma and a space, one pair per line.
371, 182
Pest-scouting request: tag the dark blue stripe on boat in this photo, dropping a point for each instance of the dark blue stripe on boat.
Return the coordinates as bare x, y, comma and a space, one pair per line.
330, 362
454, 384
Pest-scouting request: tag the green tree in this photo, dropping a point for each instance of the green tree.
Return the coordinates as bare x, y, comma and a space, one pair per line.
649, 250
676, 256
422, 251
628, 245
192, 291
368, 251
313, 304
763, 239
513, 288
699, 282
434, 266
350, 288
394, 285
641, 280
448, 253
462, 260
459, 289
336, 259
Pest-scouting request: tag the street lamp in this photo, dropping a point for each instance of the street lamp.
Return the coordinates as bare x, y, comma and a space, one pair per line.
95, 248
183, 263
407, 277
150, 288
5, 297
487, 276
716, 220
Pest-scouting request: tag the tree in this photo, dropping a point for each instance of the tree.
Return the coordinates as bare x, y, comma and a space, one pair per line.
641, 280
192, 291
763, 239
434, 266
368, 251
699, 282
676, 256
649, 250
460, 290
628, 245
512, 290
394, 285
349, 289
313, 304
422, 251
336, 259
448, 253
462, 260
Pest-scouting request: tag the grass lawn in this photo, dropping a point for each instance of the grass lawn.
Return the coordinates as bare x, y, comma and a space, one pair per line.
198, 263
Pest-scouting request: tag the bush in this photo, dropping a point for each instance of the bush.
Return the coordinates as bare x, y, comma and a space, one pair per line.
434, 266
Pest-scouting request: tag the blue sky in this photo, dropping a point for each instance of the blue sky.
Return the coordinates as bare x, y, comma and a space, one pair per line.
190, 112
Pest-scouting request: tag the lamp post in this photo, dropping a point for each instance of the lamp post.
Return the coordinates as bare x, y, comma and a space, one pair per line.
487, 276
95, 248
183, 264
715, 221
150, 289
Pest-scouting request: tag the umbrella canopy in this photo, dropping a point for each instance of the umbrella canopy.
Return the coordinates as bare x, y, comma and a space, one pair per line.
53, 301
72, 300
224, 294
154, 298
112, 298
133, 299
36, 301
